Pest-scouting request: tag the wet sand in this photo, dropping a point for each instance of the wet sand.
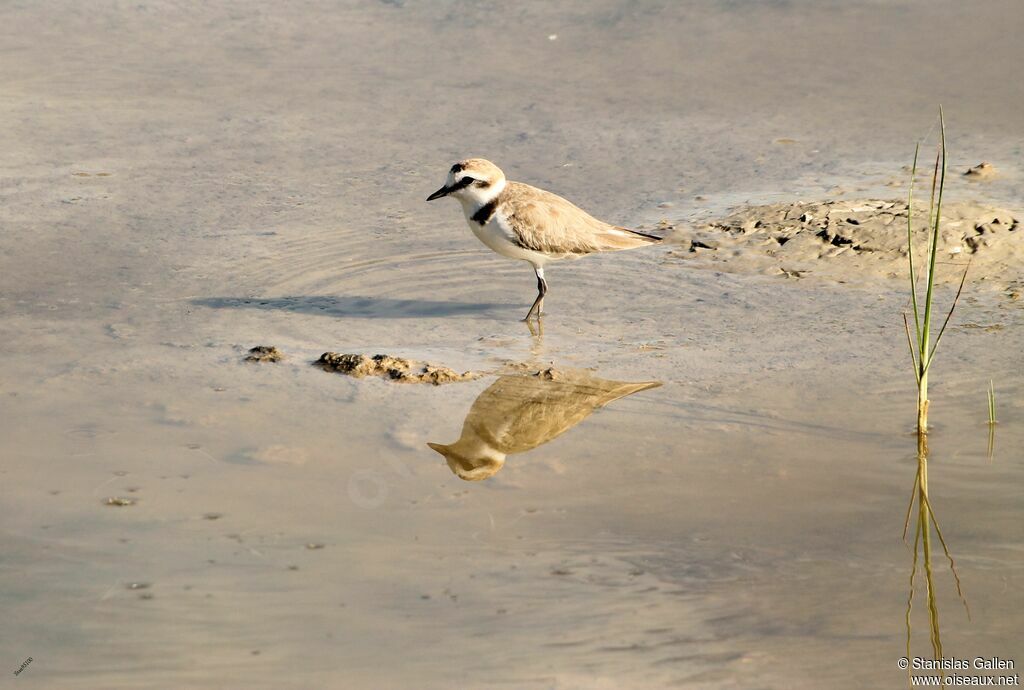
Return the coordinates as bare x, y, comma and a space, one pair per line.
183, 183
859, 241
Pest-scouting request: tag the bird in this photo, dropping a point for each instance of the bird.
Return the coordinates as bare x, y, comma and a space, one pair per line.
523, 222
517, 413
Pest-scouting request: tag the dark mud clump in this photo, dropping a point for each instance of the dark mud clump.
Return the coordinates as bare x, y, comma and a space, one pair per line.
391, 368
264, 353
982, 171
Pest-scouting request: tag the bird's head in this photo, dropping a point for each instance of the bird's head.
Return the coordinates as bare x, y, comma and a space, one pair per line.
471, 459
473, 181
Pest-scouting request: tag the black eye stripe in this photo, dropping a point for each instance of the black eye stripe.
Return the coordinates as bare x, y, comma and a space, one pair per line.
467, 181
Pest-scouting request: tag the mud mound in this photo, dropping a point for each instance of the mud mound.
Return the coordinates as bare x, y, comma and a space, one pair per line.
391, 368
856, 240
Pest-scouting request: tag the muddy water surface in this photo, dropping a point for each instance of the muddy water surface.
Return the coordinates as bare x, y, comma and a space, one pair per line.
183, 183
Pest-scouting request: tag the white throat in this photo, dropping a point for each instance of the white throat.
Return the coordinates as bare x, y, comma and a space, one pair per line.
473, 199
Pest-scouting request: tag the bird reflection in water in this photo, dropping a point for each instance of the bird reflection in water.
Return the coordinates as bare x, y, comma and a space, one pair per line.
518, 413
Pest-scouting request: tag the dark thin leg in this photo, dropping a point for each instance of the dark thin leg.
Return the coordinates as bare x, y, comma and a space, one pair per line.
538, 304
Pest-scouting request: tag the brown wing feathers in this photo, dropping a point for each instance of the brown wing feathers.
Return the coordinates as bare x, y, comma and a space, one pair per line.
545, 222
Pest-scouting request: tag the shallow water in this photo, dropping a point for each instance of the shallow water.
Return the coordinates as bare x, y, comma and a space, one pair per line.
182, 183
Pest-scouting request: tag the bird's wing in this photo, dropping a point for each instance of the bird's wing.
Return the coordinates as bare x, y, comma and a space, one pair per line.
517, 413
545, 222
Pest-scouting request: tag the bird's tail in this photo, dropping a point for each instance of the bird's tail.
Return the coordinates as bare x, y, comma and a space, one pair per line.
613, 238
652, 238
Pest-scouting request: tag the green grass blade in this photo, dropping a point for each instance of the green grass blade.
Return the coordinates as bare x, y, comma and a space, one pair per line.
910, 344
949, 315
933, 247
931, 199
910, 247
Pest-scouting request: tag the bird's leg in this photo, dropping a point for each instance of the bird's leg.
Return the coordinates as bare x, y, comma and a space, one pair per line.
542, 289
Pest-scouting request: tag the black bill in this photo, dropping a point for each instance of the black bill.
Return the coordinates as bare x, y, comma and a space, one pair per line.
444, 191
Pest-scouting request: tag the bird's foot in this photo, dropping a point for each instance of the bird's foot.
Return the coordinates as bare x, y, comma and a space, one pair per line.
536, 327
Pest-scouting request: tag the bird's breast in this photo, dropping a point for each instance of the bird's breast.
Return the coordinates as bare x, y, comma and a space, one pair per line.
497, 234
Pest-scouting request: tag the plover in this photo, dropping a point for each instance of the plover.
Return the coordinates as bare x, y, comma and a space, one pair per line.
530, 224
518, 413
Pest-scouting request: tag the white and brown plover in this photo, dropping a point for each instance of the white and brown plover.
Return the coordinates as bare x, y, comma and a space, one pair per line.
530, 224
